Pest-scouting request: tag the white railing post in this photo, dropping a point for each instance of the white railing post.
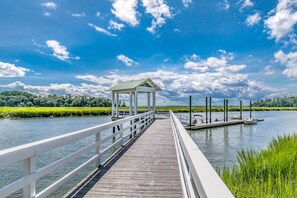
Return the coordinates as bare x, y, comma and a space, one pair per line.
29, 168
97, 139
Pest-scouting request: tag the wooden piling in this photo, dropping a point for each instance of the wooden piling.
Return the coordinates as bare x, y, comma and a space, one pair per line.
210, 110
240, 110
206, 110
224, 110
227, 109
250, 109
190, 110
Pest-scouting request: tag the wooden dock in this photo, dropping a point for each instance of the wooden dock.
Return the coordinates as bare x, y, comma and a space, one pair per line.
216, 124
147, 168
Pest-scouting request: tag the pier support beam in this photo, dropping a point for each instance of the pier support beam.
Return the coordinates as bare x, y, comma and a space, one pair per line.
135, 103
148, 101
206, 110
130, 103
190, 110
240, 110
224, 110
250, 109
154, 102
210, 110
227, 110
117, 105
112, 104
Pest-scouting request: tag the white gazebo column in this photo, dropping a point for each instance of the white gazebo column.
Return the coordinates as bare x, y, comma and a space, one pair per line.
117, 105
135, 103
148, 101
112, 105
130, 103
154, 102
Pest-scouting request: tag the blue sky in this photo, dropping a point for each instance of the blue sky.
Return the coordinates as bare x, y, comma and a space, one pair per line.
243, 49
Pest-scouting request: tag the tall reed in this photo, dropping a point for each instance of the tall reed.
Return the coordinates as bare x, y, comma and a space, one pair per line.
269, 173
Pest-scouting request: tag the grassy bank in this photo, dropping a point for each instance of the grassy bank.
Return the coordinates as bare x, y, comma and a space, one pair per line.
269, 173
27, 112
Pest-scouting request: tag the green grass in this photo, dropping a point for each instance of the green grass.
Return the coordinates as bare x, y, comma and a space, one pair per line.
268, 173
28, 112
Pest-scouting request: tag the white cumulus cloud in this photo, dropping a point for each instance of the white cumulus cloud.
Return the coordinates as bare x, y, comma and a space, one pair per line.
253, 19
218, 64
282, 20
246, 3
99, 29
268, 70
159, 10
82, 89
79, 14
187, 2
125, 10
49, 5
115, 26
224, 5
289, 61
59, 51
176, 87
128, 61
11, 70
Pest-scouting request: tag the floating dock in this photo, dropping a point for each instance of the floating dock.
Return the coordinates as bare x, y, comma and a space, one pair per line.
216, 124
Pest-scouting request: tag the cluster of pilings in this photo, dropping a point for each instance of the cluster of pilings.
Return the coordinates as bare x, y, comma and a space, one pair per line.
208, 110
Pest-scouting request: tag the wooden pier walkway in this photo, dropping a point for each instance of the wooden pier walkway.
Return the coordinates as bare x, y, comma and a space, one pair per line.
161, 160
147, 168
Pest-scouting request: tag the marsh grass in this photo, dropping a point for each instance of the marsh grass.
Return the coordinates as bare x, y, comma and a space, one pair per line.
268, 173
28, 112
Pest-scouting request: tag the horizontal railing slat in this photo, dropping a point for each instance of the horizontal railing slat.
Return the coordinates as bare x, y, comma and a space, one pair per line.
19, 153
61, 181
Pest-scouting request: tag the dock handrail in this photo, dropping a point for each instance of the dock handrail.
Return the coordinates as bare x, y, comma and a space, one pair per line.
198, 177
28, 152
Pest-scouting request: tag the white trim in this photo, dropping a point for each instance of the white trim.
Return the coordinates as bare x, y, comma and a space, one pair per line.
145, 89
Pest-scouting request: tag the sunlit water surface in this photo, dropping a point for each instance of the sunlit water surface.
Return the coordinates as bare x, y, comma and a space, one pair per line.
220, 145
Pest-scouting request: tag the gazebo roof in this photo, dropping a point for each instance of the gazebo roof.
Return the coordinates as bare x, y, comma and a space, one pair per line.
132, 85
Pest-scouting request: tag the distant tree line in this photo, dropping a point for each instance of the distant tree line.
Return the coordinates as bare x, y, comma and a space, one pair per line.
277, 102
24, 99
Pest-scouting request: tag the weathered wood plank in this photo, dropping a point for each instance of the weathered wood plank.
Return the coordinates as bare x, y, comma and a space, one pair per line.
148, 168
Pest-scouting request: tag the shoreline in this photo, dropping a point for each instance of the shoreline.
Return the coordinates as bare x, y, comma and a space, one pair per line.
55, 112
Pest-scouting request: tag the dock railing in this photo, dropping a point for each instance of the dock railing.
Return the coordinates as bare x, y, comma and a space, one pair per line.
28, 153
198, 177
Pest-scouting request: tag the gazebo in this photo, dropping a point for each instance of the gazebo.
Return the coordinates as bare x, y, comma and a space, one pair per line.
133, 88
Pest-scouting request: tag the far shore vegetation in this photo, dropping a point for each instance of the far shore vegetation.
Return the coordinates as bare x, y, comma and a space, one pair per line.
268, 173
29, 112
15, 104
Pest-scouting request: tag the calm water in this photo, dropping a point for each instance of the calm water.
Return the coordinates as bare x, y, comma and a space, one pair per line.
220, 145
14, 132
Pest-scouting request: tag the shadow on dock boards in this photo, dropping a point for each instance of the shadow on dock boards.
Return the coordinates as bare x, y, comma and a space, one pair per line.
81, 189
